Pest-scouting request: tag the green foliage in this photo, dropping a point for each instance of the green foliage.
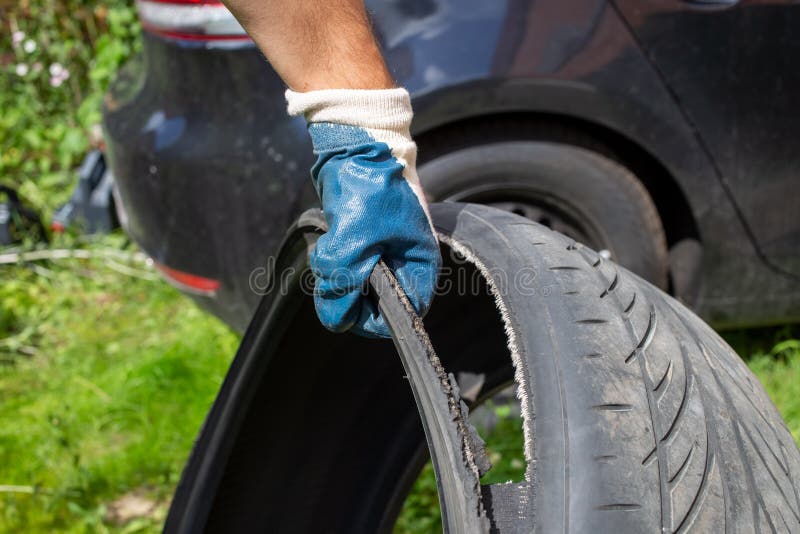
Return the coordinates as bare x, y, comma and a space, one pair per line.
420, 513
105, 379
779, 372
56, 58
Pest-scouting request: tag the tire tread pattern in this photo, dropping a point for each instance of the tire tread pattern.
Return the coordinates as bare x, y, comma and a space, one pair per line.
682, 437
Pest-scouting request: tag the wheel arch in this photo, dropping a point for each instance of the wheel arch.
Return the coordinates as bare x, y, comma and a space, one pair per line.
670, 200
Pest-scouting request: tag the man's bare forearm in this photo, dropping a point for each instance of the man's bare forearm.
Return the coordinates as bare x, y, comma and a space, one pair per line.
365, 173
316, 44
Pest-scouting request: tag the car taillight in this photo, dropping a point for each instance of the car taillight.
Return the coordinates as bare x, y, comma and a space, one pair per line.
191, 283
190, 20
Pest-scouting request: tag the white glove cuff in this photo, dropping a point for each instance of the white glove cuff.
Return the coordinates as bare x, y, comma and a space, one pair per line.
385, 114
381, 109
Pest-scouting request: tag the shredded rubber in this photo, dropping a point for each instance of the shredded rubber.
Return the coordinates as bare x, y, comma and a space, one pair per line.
453, 398
513, 347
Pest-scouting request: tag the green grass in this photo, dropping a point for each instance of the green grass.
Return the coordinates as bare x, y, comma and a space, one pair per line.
105, 379
779, 372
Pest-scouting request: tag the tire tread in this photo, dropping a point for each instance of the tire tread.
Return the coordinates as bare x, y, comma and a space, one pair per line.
668, 371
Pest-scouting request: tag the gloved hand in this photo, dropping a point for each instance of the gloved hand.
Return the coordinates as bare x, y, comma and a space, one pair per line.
366, 178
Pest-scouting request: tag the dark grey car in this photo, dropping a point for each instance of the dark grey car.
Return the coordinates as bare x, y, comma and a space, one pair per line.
654, 132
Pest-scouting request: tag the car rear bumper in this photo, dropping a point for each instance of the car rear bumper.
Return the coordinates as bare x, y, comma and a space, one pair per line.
207, 163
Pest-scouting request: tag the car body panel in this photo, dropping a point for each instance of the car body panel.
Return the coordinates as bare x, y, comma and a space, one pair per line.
745, 110
211, 170
207, 166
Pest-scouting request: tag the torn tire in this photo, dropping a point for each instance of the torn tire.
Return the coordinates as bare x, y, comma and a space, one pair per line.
637, 416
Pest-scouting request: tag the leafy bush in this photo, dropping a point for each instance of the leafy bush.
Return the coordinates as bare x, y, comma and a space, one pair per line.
56, 58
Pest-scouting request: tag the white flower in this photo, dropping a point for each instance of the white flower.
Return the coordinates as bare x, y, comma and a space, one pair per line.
17, 37
58, 74
29, 46
21, 69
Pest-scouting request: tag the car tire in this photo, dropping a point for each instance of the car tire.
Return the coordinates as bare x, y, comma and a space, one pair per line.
575, 191
638, 416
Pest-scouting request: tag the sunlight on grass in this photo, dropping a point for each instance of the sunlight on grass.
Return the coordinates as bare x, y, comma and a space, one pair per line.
779, 372
105, 381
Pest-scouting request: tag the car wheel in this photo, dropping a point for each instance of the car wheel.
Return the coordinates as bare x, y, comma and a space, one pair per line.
572, 190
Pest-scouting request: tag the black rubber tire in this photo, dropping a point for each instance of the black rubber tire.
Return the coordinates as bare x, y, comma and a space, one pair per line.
642, 419
639, 417
580, 188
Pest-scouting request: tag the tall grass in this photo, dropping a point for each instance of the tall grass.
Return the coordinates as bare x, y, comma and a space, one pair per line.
104, 382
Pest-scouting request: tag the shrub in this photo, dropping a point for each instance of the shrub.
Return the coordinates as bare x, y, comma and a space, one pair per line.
56, 58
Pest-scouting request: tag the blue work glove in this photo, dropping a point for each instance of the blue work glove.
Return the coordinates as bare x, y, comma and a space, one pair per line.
365, 176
